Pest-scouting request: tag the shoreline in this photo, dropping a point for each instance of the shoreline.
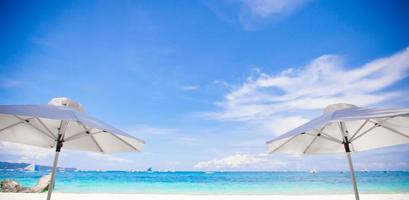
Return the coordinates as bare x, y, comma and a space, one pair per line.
227, 194
108, 196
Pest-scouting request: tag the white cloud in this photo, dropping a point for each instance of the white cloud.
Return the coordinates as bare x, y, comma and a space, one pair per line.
254, 12
242, 161
277, 99
266, 8
189, 87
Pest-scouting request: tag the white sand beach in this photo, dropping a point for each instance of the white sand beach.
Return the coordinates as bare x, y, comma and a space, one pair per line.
90, 196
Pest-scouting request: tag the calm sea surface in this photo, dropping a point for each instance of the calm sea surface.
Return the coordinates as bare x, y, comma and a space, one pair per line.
219, 182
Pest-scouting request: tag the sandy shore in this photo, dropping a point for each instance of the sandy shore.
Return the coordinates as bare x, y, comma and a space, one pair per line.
69, 196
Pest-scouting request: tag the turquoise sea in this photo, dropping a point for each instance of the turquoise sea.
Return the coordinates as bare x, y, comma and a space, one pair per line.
219, 182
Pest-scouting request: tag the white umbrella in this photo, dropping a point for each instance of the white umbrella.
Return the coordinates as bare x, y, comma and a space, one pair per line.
346, 128
62, 122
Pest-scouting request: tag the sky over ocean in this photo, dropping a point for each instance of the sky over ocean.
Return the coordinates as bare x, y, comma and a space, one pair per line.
206, 83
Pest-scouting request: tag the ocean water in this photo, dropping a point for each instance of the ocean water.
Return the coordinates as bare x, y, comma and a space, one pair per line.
219, 182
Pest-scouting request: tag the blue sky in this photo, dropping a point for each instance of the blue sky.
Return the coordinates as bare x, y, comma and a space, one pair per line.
206, 83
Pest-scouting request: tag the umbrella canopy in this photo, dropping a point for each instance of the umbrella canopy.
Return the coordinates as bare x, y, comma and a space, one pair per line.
39, 125
346, 128
364, 128
62, 123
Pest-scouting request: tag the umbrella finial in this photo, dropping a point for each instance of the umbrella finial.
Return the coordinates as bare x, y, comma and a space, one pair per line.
65, 101
338, 106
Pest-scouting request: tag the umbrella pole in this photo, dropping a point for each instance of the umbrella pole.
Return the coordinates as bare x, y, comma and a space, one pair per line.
351, 168
54, 169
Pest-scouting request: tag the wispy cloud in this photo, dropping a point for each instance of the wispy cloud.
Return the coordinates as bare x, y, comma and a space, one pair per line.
189, 87
108, 158
171, 135
256, 12
369, 160
9, 83
281, 98
266, 8
242, 161
250, 14
150, 130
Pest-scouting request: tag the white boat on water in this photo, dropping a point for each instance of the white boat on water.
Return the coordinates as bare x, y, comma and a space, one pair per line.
313, 171
31, 168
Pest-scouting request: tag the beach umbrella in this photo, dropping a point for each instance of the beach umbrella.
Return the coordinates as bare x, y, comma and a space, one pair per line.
346, 128
62, 124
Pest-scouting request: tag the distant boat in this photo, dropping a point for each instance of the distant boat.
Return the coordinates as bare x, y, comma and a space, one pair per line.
149, 170
313, 171
31, 168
